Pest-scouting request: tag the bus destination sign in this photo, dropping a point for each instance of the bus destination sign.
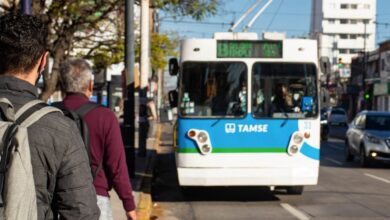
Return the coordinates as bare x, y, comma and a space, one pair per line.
249, 49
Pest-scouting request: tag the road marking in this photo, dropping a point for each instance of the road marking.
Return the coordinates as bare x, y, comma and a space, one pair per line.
377, 178
335, 147
334, 161
294, 211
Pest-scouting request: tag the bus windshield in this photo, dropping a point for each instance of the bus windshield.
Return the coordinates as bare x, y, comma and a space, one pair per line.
213, 89
284, 90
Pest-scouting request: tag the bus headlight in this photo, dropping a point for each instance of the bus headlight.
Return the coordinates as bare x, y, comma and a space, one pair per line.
201, 139
293, 149
298, 138
295, 144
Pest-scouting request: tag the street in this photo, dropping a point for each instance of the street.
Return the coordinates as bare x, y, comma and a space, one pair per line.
345, 191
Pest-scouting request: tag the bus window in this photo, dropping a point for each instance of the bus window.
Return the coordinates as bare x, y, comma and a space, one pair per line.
213, 89
283, 90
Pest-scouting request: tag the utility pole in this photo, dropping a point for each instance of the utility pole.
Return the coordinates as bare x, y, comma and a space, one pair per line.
26, 7
365, 66
128, 127
143, 117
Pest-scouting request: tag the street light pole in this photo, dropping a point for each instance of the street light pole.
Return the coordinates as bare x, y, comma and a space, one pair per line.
26, 7
365, 66
143, 117
128, 127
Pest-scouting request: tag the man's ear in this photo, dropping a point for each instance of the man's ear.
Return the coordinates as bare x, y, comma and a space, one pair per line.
43, 62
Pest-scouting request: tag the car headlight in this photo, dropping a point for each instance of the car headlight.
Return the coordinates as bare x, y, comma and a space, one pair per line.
324, 122
373, 139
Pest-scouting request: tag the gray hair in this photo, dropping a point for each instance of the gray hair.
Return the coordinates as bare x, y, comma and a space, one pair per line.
75, 75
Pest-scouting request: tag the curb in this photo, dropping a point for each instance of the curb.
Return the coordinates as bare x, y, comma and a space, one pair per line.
145, 203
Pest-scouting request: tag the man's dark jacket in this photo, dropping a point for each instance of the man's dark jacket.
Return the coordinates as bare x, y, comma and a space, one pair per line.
59, 160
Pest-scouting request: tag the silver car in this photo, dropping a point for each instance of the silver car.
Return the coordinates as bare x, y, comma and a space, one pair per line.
369, 137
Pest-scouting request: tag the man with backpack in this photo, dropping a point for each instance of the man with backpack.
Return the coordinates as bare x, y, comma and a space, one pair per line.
44, 170
108, 161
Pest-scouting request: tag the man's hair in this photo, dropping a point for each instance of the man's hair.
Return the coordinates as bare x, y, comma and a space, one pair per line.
75, 75
22, 42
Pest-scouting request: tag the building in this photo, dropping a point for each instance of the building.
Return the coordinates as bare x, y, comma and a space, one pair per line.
382, 88
343, 28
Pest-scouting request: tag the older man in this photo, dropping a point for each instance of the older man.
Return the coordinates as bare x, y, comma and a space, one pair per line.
106, 146
62, 177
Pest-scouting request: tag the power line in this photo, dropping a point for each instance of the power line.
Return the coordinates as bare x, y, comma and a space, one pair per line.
273, 18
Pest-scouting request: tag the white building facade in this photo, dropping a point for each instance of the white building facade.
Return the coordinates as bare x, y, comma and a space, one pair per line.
343, 28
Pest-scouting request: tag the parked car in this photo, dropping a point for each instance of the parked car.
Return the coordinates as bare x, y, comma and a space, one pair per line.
336, 115
369, 137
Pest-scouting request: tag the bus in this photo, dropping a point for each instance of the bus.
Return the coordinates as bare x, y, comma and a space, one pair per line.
248, 112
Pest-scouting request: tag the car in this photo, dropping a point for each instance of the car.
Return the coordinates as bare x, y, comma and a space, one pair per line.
336, 115
368, 137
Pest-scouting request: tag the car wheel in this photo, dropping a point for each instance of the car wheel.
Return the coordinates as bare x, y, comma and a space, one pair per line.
294, 190
364, 160
347, 152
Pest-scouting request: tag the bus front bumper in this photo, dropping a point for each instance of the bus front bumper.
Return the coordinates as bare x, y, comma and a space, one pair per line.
247, 176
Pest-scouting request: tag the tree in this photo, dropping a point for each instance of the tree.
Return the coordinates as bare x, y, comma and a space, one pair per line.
197, 9
161, 47
86, 28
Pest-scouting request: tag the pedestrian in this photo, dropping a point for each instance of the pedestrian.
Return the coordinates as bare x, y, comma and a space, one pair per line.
106, 146
62, 176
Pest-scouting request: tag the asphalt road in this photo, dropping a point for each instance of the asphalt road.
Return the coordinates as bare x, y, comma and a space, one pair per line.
345, 191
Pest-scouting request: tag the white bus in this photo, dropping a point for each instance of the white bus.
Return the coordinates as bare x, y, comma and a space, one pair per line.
248, 112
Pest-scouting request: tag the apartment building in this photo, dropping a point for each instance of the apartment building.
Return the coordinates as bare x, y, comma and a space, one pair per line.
343, 28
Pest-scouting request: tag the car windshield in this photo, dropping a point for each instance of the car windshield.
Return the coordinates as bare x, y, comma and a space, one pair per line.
284, 90
213, 89
338, 112
378, 122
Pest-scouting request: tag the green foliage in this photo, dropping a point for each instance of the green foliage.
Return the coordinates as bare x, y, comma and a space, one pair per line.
197, 9
161, 48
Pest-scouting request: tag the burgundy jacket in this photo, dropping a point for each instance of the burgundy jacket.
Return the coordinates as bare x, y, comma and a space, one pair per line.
107, 145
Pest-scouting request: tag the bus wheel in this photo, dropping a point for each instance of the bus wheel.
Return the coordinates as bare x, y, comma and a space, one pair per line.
295, 190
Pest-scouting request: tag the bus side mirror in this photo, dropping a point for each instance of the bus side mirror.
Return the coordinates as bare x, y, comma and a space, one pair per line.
173, 98
173, 67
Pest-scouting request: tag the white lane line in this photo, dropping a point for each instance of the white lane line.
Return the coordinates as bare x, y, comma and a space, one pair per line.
335, 147
334, 161
377, 178
294, 211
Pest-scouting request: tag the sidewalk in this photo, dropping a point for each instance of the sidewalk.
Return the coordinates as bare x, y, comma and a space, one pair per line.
142, 181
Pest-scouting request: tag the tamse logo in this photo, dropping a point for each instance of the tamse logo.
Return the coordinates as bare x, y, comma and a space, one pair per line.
230, 128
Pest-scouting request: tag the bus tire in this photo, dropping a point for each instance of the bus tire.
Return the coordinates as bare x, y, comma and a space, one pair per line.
295, 190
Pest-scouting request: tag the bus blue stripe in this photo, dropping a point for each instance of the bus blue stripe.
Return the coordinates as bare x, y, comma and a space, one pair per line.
311, 152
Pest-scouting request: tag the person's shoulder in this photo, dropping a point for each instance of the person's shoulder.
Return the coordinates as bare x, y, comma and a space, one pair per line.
55, 121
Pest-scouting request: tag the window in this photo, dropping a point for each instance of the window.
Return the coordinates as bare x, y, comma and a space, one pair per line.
283, 90
354, 6
213, 89
354, 51
378, 122
344, 6
366, 6
365, 21
331, 21
352, 36
343, 36
343, 51
353, 21
343, 21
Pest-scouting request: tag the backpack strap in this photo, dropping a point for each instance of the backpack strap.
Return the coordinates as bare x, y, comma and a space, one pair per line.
82, 111
28, 106
85, 108
31, 119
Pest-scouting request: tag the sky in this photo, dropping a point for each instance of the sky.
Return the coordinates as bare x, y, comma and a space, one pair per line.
289, 16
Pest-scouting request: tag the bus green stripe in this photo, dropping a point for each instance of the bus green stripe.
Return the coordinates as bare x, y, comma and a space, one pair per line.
236, 150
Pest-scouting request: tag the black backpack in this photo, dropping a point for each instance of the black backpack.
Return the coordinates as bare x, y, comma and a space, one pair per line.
77, 116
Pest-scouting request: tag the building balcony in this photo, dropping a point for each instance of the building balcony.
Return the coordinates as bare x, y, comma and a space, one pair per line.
349, 14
